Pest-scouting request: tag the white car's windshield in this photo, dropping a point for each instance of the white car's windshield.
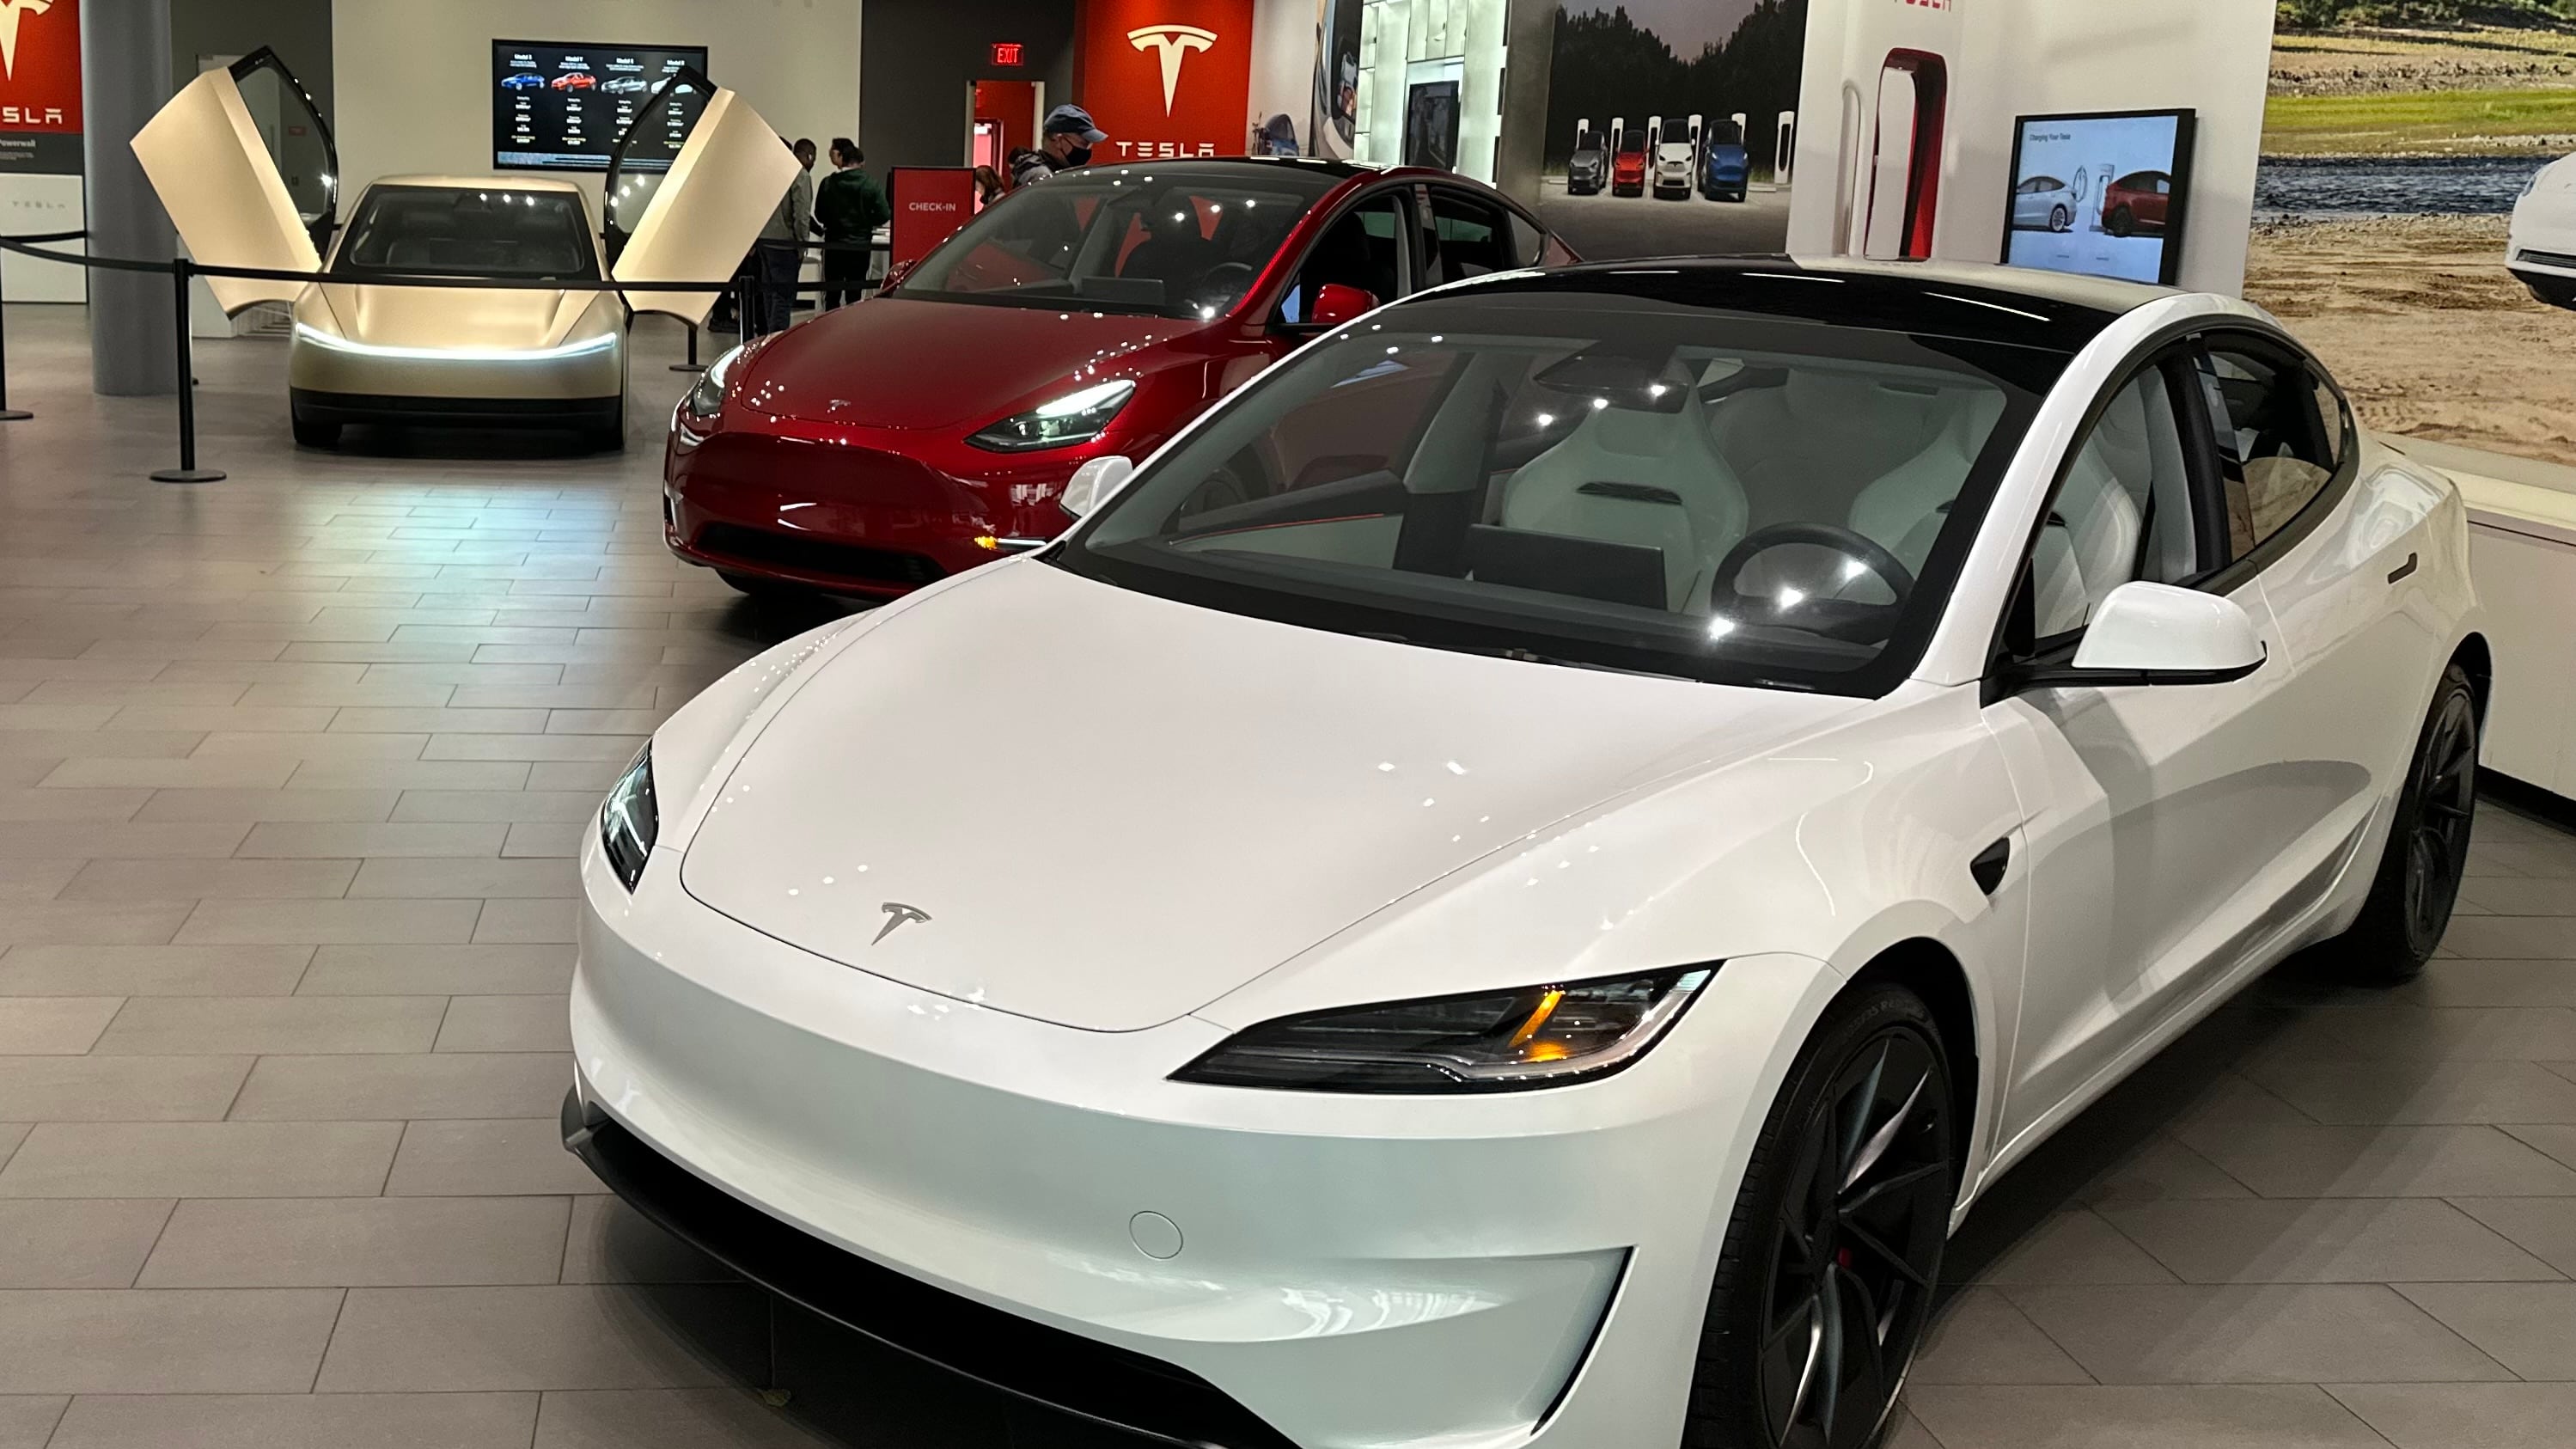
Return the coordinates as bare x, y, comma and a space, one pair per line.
1597, 480
1175, 240
494, 231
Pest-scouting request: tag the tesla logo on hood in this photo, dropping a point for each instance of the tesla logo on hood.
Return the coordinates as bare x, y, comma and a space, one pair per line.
898, 914
1174, 41
12, 11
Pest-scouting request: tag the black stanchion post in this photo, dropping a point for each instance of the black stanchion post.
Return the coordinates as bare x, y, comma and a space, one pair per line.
8, 414
692, 365
743, 293
187, 471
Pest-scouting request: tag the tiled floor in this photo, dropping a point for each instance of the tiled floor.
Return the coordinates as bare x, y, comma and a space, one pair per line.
291, 769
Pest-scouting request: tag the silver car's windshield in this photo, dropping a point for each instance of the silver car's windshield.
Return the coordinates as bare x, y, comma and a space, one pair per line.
481, 231
1593, 481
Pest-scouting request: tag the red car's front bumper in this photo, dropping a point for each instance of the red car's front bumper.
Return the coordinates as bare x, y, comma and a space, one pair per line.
858, 512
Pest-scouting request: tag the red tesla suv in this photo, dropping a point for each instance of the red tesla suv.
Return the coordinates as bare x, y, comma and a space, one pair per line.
890, 443
2135, 204
1628, 165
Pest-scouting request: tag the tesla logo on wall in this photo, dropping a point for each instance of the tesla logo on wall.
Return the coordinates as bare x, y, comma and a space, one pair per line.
1166, 78
40, 80
11, 12
1175, 42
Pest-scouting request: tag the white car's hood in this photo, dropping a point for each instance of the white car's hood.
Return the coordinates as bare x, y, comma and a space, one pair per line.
1110, 809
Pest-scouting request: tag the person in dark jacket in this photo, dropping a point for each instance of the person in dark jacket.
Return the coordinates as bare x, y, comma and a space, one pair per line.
849, 206
1064, 142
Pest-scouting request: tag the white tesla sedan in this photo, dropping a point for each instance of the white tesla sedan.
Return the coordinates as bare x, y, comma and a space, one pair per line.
2541, 247
1511, 884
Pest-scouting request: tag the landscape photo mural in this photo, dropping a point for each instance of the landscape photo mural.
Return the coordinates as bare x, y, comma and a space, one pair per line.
2400, 138
1671, 190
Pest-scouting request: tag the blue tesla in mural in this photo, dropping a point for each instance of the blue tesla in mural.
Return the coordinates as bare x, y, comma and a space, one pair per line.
1724, 169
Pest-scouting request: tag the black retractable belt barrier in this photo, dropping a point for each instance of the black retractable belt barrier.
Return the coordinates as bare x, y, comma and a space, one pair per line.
181, 269
187, 471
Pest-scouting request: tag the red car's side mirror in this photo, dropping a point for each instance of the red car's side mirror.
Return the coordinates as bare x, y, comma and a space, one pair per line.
1337, 303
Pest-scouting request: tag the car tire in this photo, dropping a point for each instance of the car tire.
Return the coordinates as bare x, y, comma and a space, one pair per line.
1848, 1259
2121, 222
2418, 881
311, 434
2060, 219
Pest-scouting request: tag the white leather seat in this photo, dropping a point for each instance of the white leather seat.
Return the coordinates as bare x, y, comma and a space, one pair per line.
1663, 486
2091, 544
1806, 448
1902, 511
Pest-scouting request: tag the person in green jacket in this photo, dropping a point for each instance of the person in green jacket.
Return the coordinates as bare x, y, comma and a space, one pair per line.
849, 206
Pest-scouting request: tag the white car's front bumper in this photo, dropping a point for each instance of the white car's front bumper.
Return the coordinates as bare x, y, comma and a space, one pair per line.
2541, 247
1463, 1271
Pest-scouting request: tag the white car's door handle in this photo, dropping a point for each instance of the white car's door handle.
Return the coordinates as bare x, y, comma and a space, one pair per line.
2402, 570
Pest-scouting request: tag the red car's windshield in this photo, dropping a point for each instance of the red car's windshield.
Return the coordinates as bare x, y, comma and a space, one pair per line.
1176, 240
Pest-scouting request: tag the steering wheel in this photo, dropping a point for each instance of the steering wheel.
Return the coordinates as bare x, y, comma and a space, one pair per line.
1839, 618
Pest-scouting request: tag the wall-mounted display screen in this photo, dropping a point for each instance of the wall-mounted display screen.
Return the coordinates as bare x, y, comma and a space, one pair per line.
2102, 194
562, 107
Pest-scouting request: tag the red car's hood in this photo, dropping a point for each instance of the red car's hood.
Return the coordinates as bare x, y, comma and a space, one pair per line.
891, 362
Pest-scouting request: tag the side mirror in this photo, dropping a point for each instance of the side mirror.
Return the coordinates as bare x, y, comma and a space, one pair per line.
2148, 633
1093, 482
1337, 303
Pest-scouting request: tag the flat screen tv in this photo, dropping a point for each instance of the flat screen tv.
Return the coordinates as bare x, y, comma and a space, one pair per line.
2102, 193
558, 107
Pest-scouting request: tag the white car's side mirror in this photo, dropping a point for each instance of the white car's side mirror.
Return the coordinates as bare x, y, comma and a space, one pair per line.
1093, 482
2147, 633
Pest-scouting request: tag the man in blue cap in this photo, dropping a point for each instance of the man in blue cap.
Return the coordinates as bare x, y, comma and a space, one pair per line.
1064, 142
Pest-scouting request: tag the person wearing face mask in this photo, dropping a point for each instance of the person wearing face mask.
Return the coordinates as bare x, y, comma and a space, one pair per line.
1064, 142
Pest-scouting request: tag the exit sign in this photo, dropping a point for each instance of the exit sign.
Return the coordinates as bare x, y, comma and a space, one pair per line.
1006, 52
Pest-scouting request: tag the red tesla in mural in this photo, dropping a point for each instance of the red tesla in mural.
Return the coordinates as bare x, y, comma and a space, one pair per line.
2135, 204
890, 443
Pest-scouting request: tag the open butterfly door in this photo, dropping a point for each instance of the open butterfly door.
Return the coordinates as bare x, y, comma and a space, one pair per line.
213, 156
700, 217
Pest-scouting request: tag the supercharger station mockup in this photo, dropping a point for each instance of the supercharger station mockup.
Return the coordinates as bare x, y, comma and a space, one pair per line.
1911, 109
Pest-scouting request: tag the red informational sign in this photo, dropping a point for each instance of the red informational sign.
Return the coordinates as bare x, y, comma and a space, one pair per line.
1167, 78
930, 203
40, 68
1006, 52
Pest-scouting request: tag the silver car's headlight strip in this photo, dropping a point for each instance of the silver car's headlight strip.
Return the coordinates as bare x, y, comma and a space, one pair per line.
307, 332
629, 820
1496, 1041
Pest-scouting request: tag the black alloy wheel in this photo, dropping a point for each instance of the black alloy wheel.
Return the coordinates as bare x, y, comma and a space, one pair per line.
2123, 222
1834, 1255
2437, 847
2427, 855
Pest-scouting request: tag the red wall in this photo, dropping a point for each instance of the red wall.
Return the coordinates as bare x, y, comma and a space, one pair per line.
1121, 83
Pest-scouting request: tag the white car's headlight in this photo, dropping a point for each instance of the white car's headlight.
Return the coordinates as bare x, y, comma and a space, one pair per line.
1076, 417
629, 819
1496, 1041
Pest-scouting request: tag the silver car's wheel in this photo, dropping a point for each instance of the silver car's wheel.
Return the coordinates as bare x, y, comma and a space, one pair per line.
2059, 218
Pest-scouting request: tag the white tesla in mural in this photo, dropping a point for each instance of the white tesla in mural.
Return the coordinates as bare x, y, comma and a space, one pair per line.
1513, 882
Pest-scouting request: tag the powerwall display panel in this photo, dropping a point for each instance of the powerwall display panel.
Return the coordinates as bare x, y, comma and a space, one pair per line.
562, 107
2101, 194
